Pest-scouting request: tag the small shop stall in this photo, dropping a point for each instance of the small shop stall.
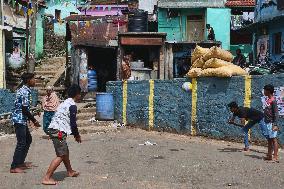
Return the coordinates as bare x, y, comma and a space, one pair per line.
146, 51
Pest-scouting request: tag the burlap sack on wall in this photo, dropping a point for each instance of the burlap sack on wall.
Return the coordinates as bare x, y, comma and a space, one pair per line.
216, 52
216, 63
194, 72
198, 63
225, 71
198, 52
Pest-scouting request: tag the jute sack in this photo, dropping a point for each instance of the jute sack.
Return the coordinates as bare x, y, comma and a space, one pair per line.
194, 72
198, 52
216, 52
198, 63
225, 71
216, 63
236, 70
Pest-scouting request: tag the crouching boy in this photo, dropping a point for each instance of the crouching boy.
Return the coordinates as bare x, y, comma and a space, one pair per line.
63, 124
251, 115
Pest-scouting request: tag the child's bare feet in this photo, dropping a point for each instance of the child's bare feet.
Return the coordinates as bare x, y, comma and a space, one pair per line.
17, 170
49, 181
73, 174
268, 158
246, 149
26, 165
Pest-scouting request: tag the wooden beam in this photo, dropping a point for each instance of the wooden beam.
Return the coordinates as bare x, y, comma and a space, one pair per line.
141, 41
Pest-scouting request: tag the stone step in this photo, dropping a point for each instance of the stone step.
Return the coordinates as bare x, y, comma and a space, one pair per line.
46, 68
88, 123
87, 110
85, 116
40, 85
52, 73
96, 129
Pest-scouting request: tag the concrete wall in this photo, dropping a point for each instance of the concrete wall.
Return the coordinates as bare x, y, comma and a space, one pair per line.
7, 100
273, 29
163, 105
219, 19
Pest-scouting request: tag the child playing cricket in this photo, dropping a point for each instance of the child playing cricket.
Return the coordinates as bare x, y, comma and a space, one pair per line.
251, 115
270, 119
63, 124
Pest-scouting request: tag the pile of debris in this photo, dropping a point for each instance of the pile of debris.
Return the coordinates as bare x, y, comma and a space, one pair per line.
54, 45
213, 62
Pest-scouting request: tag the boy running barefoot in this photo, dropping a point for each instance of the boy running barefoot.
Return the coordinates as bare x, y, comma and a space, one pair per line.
270, 118
20, 117
63, 124
253, 117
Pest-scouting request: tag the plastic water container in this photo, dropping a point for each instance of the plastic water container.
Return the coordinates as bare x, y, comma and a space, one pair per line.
104, 106
92, 80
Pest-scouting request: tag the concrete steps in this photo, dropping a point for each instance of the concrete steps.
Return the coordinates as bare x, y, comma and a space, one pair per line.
96, 129
86, 120
86, 116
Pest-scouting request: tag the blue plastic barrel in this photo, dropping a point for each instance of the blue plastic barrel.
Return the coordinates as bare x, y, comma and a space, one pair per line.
92, 81
104, 106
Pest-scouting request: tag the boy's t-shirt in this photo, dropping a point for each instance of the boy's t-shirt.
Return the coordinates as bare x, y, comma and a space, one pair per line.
271, 111
65, 118
249, 114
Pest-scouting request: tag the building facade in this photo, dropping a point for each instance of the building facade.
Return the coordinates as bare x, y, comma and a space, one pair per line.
186, 20
269, 30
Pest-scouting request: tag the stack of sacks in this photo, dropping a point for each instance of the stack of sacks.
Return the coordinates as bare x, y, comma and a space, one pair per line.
213, 62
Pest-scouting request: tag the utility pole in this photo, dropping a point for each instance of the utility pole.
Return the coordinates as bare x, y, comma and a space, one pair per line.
2, 41
27, 39
32, 53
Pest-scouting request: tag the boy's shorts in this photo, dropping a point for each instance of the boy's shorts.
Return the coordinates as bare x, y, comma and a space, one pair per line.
271, 133
60, 144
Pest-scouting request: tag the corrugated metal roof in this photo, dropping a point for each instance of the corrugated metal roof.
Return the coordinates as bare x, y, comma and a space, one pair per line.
240, 3
94, 33
190, 3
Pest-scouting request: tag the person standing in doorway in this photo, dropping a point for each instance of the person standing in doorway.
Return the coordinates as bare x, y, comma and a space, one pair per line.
20, 117
125, 67
211, 33
49, 104
240, 59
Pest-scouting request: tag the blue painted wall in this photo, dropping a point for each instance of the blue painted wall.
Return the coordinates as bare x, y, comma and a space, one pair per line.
263, 14
220, 19
66, 8
172, 105
176, 28
7, 100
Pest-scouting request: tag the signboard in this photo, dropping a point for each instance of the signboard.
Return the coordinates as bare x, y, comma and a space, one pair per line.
279, 96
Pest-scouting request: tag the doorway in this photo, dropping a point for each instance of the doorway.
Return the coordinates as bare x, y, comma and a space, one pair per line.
103, 61
195, 28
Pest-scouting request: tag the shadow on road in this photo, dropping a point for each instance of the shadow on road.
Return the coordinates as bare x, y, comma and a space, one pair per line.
60, 176
230, 150
254, 156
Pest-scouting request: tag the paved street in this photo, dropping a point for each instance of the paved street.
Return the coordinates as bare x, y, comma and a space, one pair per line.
116, 160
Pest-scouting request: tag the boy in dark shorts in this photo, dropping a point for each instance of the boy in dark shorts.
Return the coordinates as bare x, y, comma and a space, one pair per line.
63, 124
270, 119
251, 115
